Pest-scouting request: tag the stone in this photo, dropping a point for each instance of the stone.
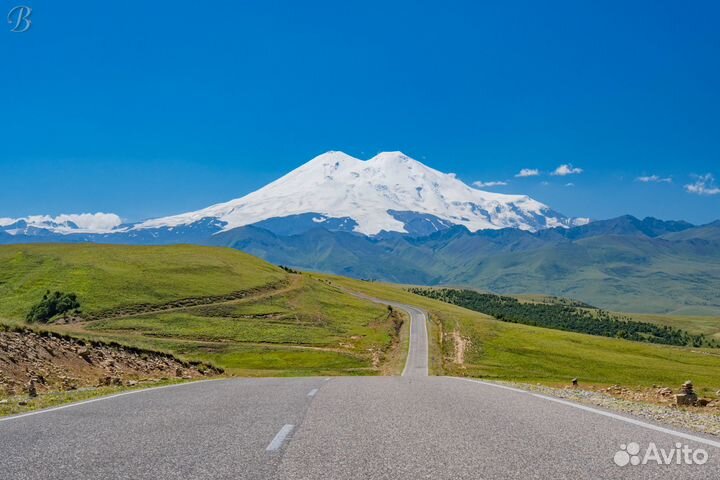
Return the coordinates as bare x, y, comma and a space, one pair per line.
703, 402
686, 399
32, 391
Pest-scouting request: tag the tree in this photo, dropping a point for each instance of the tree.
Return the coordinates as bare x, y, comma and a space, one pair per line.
52, 304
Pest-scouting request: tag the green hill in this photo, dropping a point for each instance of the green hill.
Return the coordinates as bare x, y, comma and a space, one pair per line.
623, 264
252, 318
469, 343
204, 303
110, 276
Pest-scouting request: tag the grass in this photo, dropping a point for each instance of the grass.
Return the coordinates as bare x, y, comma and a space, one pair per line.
110, 276
286, 324
14, 405
707, 325
313, 328
513, 352
310, 326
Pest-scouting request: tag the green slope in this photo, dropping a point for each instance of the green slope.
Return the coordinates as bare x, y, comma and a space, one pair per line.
614, 265
281, 324
506, 351
109, 276
630, 274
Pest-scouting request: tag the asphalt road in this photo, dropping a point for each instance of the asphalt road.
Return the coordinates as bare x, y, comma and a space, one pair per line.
409, 427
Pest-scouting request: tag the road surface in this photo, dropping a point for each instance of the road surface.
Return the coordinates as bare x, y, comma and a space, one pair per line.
408, 427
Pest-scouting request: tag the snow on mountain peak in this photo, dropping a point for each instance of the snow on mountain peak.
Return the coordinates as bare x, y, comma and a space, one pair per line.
372, 192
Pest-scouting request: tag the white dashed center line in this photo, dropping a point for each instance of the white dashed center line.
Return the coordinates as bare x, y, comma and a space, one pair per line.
277, 442
312, 392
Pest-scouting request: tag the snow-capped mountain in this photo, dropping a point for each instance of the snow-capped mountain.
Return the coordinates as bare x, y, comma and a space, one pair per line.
391, 192
384, 193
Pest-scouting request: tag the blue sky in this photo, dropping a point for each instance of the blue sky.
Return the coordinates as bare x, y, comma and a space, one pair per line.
152, 108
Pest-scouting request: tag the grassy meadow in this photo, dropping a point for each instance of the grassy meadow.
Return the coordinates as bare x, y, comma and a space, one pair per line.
111, 276
308, 324
287, 324
514, 352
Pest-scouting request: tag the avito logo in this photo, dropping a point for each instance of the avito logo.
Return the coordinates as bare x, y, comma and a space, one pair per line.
629, 454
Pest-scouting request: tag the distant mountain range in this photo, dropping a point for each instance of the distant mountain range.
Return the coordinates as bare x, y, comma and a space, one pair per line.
622, 264
393, 218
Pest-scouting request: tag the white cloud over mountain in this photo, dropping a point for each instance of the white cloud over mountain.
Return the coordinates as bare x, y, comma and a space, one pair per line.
528, 172
703, 185
496, 183
654, 179
69, 222
566, 169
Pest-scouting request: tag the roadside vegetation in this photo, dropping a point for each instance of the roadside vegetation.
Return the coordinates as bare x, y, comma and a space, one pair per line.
105, 277
562, 316
22, 403
497, 350
52, 304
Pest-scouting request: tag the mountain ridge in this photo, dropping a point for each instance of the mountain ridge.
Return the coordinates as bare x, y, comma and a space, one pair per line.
390, 192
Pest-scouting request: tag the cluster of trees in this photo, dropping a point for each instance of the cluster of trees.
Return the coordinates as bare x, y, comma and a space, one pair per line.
565, 317
52, 304
290, 270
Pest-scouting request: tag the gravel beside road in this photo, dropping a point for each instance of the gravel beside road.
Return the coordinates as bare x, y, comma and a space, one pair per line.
698, 421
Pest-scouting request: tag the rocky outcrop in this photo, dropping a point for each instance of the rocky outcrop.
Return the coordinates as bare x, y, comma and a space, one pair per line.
39, 362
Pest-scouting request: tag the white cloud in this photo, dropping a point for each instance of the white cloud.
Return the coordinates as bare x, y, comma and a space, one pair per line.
654, 179
496, 183
88, 222
528, 172
704, 185
570, 184
566, 169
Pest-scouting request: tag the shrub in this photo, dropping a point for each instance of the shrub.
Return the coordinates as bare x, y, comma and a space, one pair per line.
53, 304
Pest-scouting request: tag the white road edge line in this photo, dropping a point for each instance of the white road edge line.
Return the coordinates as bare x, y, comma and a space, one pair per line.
622, 418
312, 392
491, 384
108, 397
280, 438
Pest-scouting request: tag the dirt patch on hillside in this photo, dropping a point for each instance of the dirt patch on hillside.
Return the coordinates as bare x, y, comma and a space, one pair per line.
144, 309
461, 345
50, 362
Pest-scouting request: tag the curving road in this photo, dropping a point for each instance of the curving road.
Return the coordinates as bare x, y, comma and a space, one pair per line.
409, 427
416, 364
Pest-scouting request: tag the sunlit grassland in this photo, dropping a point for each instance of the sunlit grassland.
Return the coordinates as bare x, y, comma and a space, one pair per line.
110, 276
507, 351
286, 324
